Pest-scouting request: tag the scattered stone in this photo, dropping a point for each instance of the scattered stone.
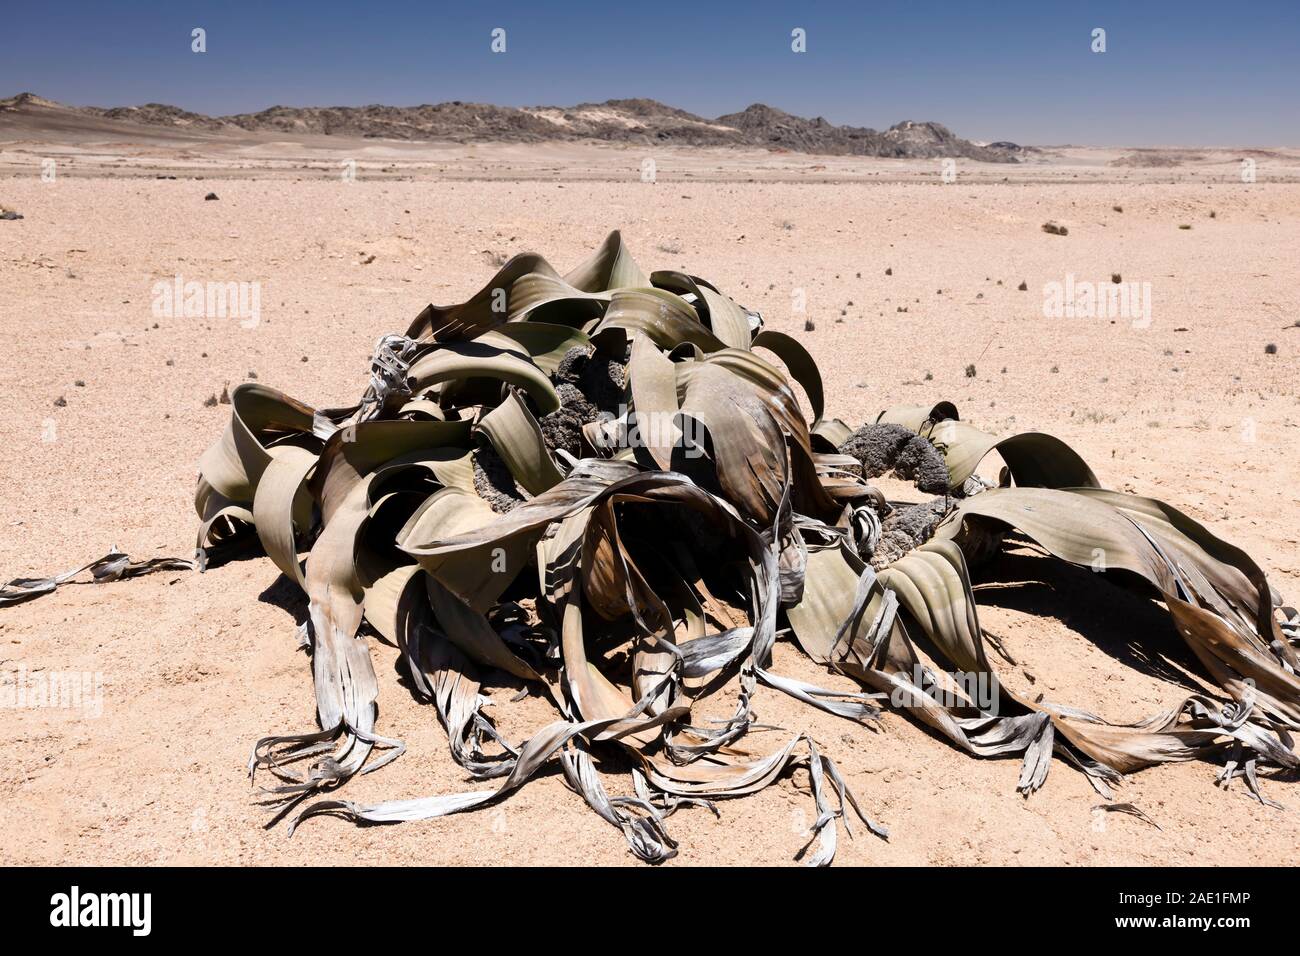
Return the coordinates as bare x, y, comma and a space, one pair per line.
304, 358
929, 376
1117, 208
1055, 228
1184, 226
970, 371
80, 383
808, 325
1270, 349
1023, 287
1056, 369
1115, 278
210, 402
225, 395
252, 374
889, 272
60, 402
171, 362
211, 197
9, 215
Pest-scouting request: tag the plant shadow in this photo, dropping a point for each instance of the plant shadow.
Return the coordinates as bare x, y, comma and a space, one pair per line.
1123, 623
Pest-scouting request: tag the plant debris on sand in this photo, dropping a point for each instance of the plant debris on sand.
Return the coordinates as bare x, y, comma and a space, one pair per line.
603, 484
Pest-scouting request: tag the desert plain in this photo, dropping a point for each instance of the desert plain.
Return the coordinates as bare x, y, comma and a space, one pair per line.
912, 283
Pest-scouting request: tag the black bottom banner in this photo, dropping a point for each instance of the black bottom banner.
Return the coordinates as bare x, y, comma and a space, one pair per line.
210, 905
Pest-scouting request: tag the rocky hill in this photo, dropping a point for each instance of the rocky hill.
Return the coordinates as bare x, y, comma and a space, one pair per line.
622, 121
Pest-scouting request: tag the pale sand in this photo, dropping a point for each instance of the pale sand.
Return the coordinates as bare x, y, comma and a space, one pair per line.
195, 667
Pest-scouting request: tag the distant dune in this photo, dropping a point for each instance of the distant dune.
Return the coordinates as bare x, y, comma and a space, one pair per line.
617, 121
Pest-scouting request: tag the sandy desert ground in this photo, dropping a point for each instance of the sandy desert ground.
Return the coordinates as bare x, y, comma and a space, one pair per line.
105, 418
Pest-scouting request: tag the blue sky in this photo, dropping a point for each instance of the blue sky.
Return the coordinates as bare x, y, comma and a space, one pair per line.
1173, 73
